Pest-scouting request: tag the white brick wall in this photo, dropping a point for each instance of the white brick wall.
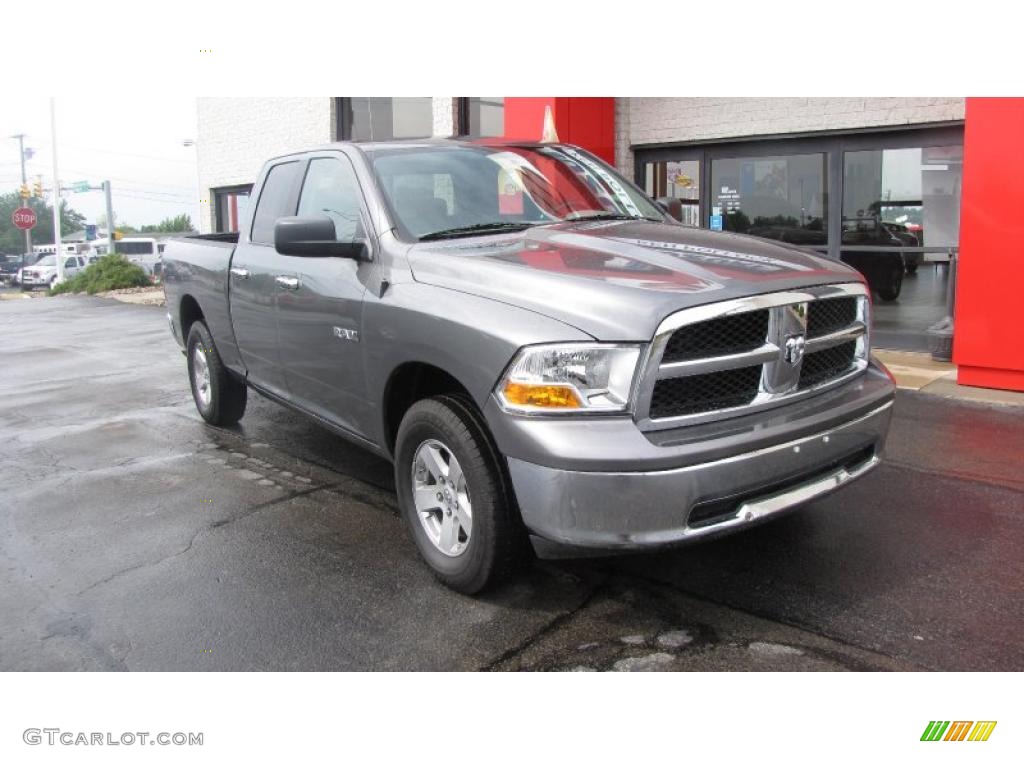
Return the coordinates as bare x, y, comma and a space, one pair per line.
445, 117
658, 120
235, 136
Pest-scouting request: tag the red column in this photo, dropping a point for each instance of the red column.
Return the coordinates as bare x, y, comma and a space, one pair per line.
586, 122
988, 343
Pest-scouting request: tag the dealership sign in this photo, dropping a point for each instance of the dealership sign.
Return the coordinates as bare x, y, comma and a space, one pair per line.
23, 218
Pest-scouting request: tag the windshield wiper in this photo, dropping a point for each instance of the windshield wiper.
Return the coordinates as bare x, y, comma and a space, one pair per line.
477, 229
605, 216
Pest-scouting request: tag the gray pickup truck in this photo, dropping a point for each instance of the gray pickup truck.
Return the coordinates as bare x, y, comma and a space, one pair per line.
551, 362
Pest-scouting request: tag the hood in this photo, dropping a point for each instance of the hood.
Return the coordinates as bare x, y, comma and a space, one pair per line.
617, 280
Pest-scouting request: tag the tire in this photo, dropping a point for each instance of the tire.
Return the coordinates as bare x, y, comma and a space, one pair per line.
495, 543
220, 398
891, 283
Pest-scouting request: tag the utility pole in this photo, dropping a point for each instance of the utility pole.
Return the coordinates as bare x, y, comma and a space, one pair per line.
110, 217
24, 182
56, 193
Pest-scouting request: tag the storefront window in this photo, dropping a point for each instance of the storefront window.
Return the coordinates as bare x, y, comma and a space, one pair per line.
485, 116
782, 197
679, 180
912, 193
379, 119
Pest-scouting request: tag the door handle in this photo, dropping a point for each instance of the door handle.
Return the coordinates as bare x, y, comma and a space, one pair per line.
291, 283
242, 274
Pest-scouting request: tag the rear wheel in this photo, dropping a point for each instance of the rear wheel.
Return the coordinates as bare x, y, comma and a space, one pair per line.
220, 398
454, 495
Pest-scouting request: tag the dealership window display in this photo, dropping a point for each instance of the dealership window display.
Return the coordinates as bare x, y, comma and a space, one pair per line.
887, 204
779, 197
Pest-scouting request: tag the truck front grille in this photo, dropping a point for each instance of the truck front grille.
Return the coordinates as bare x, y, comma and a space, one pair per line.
742, 355
827, 364
720, 336
705, 392
830, 315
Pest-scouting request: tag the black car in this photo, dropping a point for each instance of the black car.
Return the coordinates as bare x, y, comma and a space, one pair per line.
882, 269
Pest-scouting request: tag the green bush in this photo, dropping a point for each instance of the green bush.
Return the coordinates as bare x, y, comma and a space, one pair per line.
110, 272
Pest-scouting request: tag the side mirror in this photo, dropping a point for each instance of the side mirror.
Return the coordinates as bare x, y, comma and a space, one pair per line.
313, 236
672, 206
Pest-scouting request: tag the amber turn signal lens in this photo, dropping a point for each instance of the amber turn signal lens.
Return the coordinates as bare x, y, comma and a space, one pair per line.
541, 395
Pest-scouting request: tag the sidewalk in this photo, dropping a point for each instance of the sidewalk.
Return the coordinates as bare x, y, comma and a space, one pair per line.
917, 371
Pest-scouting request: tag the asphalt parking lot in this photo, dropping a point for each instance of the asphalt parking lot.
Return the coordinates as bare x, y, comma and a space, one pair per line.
135, 537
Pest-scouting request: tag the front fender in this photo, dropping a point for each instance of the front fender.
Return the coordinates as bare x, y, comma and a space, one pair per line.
471, 338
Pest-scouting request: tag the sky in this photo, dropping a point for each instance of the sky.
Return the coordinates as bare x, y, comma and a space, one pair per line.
136, 143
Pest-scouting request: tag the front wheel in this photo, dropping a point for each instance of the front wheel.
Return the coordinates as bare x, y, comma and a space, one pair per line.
220, 398
891, 283
454, 495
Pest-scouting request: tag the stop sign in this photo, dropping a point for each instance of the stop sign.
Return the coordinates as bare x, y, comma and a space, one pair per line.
24, 218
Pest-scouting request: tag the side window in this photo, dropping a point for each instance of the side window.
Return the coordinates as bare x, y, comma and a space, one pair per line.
273, 202
331, 188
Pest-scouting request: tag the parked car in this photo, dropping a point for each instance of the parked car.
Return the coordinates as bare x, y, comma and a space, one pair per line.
884, 270
11, 266
907, 238
43, 274
545, 365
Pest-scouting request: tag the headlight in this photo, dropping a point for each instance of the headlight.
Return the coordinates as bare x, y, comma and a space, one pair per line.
568, 378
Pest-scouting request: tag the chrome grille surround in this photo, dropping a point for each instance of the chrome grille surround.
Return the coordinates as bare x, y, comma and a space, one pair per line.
780, 379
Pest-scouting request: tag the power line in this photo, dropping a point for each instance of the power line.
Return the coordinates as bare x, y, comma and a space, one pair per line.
125, 154
131, 182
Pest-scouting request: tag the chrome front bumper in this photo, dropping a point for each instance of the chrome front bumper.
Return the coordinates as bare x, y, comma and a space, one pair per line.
637, 510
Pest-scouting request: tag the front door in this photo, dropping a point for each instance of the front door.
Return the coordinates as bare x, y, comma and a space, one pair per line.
254, 288
320, 302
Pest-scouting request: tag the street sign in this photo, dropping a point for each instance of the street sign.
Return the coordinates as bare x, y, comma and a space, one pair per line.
23, 218
80, 186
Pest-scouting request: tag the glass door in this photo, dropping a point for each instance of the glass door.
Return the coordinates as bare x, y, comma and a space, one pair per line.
678, 180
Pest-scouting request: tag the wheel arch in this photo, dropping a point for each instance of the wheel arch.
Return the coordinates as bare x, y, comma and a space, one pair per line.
188, 312
408, 383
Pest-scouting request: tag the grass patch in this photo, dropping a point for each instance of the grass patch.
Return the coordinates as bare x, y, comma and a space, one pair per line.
110, 272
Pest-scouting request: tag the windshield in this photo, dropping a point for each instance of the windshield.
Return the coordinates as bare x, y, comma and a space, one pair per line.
452, 190
47, 261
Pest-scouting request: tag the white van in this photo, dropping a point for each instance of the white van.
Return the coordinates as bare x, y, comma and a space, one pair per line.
144, 251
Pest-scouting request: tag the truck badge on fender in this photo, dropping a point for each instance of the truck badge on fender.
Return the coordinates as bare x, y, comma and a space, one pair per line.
346, 333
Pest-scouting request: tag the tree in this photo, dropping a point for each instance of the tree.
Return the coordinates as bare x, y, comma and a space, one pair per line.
12, 239
179, 223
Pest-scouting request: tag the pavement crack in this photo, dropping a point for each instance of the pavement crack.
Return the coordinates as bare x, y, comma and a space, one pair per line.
205, 529
546, 629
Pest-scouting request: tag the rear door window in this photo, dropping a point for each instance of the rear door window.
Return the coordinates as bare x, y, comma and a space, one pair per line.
275, 201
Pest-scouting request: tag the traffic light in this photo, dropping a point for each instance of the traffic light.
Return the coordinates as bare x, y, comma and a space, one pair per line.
117, 235
24, 192
37, 189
